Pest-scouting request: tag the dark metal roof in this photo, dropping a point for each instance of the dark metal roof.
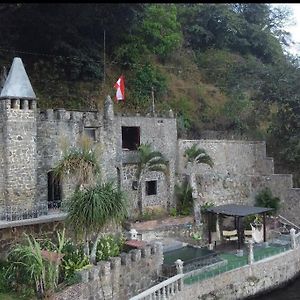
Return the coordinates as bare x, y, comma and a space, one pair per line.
238, 210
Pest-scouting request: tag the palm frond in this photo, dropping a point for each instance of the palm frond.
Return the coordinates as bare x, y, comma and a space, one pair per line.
199, 155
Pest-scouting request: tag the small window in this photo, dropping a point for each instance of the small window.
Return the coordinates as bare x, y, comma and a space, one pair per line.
130, 138
30, 104
13, 103
151, 187
90, 132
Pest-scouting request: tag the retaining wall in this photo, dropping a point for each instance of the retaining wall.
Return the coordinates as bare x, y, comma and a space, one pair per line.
246, 281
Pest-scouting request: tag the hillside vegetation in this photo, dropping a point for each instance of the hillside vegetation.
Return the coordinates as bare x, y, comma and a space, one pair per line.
218, 66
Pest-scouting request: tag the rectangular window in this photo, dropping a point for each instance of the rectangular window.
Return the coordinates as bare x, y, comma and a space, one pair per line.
30, 104
22, 104
151, 187
130, 137
90, 132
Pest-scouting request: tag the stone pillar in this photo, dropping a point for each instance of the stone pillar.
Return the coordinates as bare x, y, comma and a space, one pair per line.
179, 268
293, 238
116, 273
251, 253
105, 267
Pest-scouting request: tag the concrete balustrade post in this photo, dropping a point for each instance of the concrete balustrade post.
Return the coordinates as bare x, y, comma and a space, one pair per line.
293, 238
251, 253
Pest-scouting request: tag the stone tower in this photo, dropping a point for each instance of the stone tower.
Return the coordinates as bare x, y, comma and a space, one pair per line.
18, 135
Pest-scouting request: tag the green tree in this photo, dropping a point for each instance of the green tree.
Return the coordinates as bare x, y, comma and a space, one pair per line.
148, 160
160, 29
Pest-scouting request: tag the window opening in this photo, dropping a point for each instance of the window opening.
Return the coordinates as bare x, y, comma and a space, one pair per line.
30, 104
130, 137
13, 103
151, 187
90, 132
22, 104
54, 191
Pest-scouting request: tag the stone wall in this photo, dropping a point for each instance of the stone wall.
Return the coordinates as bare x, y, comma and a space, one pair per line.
161, 133
246, 281
11, 235
120, 278
241, 170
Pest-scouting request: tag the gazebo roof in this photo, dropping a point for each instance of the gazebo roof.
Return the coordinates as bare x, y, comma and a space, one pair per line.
238, 210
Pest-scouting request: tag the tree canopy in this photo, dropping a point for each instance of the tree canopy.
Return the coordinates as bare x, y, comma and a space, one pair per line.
218, 66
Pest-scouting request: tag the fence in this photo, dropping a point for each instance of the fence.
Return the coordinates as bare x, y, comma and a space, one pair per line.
19, 212
234, 262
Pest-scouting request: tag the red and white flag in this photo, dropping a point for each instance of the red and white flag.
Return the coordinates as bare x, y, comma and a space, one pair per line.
120, 86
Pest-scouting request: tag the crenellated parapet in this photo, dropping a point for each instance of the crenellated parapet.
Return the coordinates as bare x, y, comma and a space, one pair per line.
87, 118
121, 277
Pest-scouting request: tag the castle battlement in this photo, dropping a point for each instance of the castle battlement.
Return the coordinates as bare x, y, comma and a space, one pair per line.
61, 114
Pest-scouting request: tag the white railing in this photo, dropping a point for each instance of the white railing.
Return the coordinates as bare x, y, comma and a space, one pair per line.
163, 290
288, 222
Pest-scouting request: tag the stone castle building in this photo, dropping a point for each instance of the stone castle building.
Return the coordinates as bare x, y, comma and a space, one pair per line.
31, 145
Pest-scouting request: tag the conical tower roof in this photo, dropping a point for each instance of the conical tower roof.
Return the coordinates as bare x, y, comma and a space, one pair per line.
17, 84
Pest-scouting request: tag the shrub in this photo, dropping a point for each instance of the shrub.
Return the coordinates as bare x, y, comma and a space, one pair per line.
184, 198
265, 199
74, 260
109, 246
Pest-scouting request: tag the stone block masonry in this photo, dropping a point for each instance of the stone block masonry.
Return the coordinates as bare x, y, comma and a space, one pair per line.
120, 278
241, 170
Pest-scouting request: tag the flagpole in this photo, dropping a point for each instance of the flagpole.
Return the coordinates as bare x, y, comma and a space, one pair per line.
103, 57
152, 92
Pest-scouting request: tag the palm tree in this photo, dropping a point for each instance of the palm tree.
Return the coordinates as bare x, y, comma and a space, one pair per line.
195, 156
92, 204
89, 210
149, 160
198, 155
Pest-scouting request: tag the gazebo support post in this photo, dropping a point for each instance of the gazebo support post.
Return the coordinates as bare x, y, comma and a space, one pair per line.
239, 232
209, 227
264, 226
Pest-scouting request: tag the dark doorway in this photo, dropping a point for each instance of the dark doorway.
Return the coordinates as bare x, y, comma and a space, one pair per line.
54, 191
130, 137
151, 187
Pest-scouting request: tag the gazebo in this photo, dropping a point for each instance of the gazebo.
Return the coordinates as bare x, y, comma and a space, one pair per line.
238, 212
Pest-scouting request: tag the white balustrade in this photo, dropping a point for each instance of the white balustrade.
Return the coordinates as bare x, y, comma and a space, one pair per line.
163, 290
